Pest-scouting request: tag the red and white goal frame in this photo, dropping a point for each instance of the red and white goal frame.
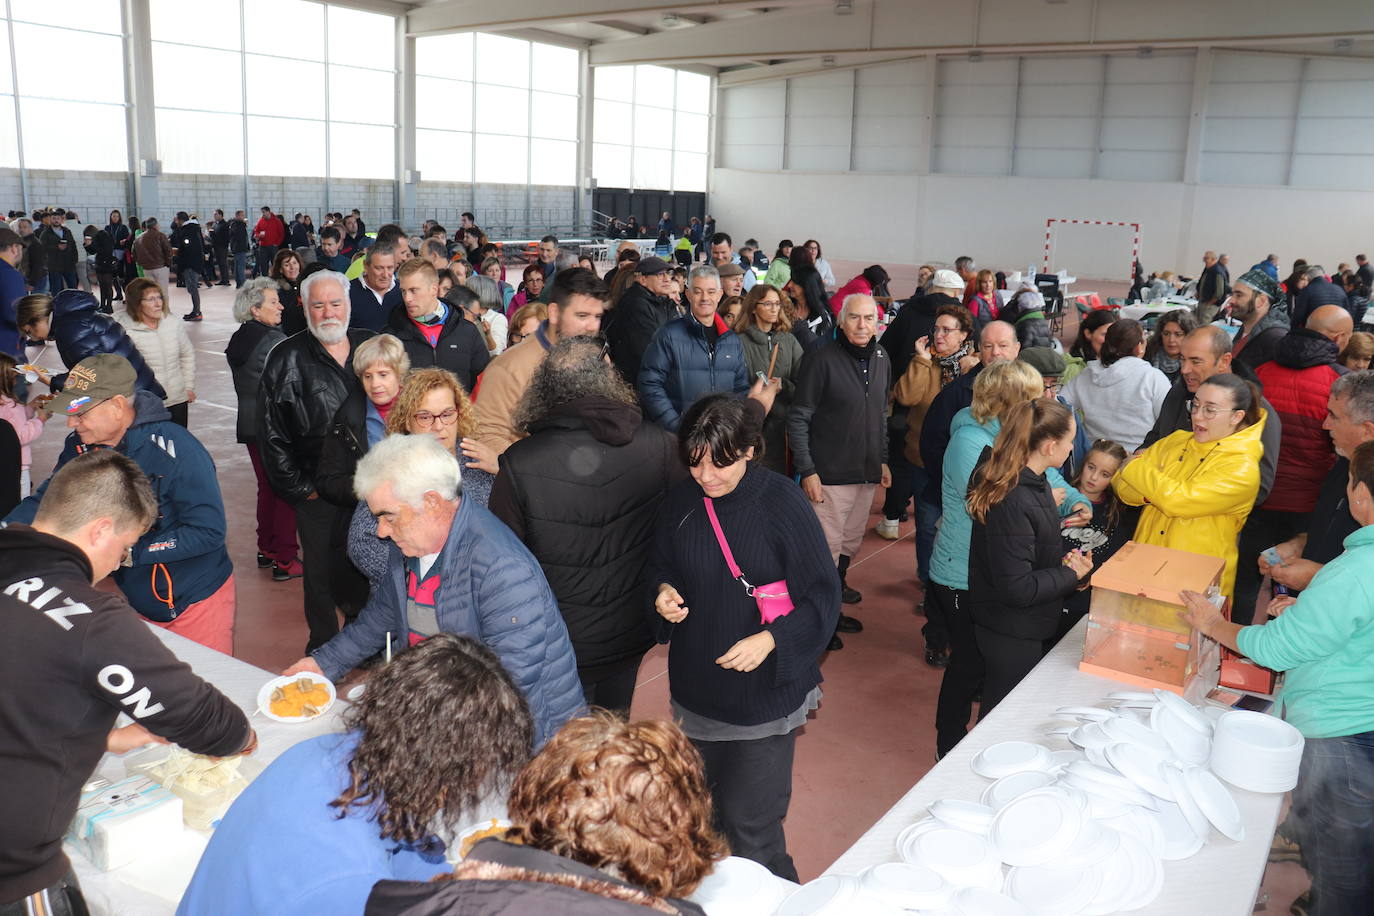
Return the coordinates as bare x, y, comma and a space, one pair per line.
1135, 237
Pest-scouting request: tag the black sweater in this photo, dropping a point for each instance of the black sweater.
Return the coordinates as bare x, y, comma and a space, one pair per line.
1017, 580
774, 534
72, 658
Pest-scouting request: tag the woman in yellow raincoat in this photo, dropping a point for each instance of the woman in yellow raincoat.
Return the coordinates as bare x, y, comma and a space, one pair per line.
1198, 487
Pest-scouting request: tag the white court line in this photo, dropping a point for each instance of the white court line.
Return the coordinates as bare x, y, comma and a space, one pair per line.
888, 545
199, 401
211, 352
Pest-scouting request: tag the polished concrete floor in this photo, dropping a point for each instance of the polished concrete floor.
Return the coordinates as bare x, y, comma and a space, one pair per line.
870, 741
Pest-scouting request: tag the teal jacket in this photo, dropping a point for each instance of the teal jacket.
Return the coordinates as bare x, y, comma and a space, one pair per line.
967, 439
1325, 643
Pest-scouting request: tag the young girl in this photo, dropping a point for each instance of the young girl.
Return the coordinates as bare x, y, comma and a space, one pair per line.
27, 422
1112, 525
1018, 571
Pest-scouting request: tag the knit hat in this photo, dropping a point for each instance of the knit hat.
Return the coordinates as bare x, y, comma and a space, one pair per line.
946, 279
1261, 282
1043, 360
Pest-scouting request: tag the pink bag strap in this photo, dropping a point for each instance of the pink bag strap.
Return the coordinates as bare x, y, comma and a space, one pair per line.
724, 545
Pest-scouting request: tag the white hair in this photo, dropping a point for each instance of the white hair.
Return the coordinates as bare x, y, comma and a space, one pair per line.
852, 297
413, 465
249, 297
331, 276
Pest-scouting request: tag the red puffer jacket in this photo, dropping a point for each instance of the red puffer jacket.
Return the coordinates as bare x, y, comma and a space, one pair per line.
1298, 383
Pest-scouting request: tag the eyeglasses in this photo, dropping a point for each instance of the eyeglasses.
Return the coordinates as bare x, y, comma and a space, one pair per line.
126, 559
516, 338
939, 330
424, 419
1051, 388
1210, 411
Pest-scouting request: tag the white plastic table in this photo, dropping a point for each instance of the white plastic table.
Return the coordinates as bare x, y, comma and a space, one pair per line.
153, 885
1224, 878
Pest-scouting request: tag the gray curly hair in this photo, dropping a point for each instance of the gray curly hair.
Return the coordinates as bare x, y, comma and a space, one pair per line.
249, 297
574, 368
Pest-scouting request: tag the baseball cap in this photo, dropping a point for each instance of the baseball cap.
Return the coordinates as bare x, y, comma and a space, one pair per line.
652, 265
93, 380
947, 279
725, 270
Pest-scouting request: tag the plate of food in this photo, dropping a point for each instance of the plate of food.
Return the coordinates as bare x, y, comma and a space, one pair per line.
296, 698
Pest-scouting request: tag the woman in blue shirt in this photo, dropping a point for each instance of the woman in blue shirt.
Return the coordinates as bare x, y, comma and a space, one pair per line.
1324, 640
440, 732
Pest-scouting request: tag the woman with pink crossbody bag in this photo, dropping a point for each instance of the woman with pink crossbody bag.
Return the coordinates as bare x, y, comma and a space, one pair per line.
747, 599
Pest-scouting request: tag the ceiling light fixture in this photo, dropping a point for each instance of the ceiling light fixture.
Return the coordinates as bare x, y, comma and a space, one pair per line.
1145, 52
975, 56
844, 7
670, 20
1345, 45
828, 60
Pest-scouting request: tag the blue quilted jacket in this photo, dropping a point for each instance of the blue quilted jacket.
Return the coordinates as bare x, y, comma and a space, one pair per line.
681, 365
492, 589
80, 330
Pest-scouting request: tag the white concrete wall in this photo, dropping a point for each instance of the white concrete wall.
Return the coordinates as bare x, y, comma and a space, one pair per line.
1000, 221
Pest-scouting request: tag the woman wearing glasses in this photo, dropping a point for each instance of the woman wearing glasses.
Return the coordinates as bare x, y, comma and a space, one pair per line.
431, 402
1198, 487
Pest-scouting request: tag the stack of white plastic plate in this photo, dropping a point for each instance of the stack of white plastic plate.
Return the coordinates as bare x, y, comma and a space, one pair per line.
998, 760
963, 815
1215, 802
1037, 827
1142, 766
1054, 891
1187, 731
910, 887
1096, 780
963, 859
740, 887
1132, 877
1258, 752
1005, 789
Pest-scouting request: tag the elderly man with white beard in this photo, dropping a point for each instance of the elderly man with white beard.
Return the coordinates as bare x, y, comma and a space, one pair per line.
307, 377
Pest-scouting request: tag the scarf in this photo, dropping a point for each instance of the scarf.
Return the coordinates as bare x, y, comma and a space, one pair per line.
435, 317
859, 353
949, 365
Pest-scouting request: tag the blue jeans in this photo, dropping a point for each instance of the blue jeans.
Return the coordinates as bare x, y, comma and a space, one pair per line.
59, 280
240, 267
41, 286
1334, 805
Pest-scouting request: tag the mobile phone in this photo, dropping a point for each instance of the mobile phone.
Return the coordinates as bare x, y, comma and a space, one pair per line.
1271, 556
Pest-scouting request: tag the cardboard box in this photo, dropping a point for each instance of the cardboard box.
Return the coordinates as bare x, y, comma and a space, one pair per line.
1134, 632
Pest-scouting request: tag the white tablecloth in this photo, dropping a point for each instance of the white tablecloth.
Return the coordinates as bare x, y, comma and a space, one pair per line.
153, 885
1223, 878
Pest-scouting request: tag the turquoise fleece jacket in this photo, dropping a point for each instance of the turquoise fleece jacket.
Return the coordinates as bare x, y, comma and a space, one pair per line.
1325, 643
968, 438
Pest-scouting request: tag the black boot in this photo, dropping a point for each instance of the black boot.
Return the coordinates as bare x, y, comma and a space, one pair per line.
848, 595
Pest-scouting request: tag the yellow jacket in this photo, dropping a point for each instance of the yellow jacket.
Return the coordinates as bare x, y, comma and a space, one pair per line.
1196, 494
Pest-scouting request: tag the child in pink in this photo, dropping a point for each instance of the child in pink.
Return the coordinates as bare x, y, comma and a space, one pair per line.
27, 422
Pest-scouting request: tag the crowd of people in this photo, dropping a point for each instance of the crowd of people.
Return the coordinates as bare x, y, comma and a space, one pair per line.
520, 489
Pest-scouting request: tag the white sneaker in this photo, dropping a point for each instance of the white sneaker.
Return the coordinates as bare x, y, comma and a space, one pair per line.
887, 529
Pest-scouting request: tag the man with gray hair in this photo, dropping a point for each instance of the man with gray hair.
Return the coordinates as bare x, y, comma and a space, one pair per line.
837, 427
374, 295
691, 356
582, 491
1319, 291
454, 568
306, 378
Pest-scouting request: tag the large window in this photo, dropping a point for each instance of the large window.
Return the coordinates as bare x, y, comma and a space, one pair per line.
83, 87
495, 110
274, 87
651, 128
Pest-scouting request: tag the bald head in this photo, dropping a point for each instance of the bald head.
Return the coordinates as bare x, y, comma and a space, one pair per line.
1332, 322
997, 343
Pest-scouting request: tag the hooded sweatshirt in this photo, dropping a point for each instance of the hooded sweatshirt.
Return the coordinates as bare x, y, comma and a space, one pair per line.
74, 657
1119, 402
182, 559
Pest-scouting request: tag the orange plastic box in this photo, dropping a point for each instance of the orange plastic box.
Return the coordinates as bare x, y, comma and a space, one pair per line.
1134, 633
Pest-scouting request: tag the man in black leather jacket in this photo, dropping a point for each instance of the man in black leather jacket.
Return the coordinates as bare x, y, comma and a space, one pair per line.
306, 378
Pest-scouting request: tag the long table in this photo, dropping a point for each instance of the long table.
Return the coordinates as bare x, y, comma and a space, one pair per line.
1223, 878
153, 885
